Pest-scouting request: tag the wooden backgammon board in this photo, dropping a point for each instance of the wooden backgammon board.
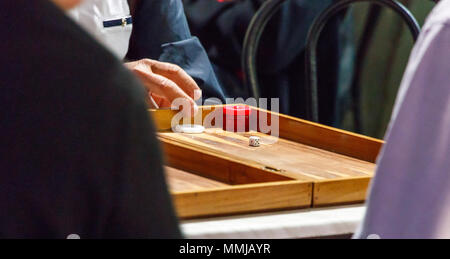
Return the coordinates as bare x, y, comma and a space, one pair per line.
308, 165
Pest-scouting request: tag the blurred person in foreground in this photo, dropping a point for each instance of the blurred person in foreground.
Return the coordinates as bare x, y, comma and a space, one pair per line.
410, 194
79, 156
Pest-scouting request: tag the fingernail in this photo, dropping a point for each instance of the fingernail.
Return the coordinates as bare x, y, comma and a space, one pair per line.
197, 94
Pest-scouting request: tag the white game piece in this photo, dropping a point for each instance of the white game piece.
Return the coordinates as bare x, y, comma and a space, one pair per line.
254, 141
190, 128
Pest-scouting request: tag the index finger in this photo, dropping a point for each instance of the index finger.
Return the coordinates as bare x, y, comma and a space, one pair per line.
166, 88
178, 76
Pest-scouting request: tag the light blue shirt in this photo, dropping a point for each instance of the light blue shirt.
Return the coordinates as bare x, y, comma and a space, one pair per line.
410, 194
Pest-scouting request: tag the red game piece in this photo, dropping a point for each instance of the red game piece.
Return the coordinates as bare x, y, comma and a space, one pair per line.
236, 118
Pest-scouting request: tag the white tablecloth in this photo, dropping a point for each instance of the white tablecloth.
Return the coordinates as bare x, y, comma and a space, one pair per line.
304, 223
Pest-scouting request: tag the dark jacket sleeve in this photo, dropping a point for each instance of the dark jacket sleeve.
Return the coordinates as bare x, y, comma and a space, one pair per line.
160, 31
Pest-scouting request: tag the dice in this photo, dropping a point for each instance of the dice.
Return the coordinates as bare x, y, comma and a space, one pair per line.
254, 141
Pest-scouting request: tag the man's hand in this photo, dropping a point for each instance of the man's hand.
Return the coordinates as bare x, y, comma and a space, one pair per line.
166, 82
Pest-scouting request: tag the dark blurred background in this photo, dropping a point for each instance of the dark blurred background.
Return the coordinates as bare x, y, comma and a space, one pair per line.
383, 68
221, 26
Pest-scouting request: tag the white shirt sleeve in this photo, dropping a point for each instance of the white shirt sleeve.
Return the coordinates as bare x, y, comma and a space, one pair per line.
410, 194
92, 13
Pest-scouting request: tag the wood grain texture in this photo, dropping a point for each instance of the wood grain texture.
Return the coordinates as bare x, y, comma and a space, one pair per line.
340, 191
182, 181
324, 137
220, 168
337, 164
243, 199
295, 129
196, 196
286, 157
204, 185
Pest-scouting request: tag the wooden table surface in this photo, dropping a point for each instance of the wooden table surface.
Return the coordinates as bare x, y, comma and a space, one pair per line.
179, 180
287, 157
217, 172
